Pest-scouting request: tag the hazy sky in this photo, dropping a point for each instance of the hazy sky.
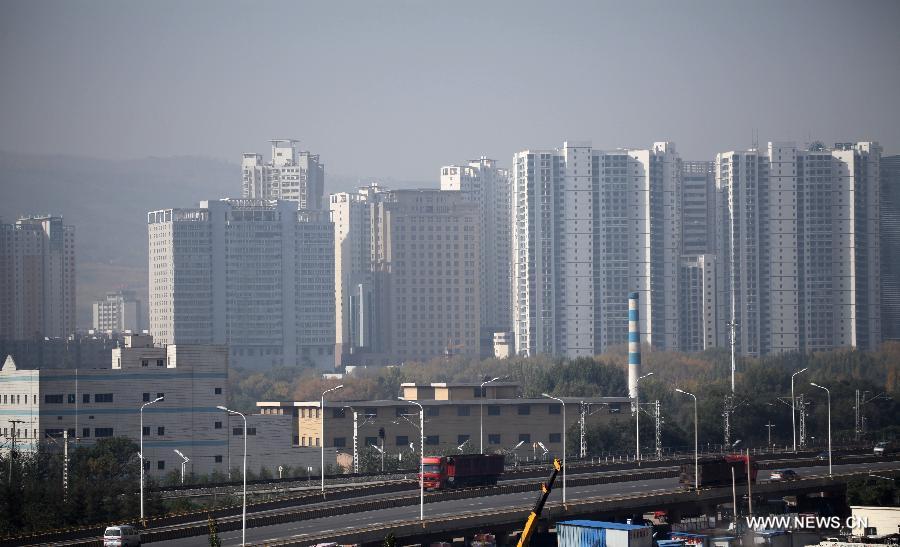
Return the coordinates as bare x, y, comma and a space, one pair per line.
396, 89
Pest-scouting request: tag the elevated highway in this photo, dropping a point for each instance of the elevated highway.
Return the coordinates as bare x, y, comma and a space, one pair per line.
506, 511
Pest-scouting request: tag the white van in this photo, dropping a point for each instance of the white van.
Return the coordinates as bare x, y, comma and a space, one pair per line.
121, 536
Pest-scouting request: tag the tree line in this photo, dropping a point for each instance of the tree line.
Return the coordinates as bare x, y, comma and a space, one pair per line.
762, 391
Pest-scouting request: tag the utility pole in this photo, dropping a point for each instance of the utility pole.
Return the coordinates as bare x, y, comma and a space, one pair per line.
65, 470
658, 417
861, 400
583, 437
727, 408
769, 426
801, 406
355, 445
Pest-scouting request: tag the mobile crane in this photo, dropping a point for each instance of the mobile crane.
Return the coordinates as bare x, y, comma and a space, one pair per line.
531, 523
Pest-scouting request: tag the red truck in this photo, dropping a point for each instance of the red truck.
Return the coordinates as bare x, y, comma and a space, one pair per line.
717, 471
464, 470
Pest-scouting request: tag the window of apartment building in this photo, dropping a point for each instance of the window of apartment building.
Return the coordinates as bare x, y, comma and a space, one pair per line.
146, 429
463, 410
432, 439
71, 432
251, 431
146, 465
145, 362
71, 398
85, 398
524, 410
53, 399
340, 442
493, 438
218, 458
161, 430
555, 437
47, 432
160, 395
432, 411
217, 425
317, 441
371, 441
160, 362
462, 439
402, 440
218, 391
371, 412
146, 397
103, 432
524, 437
553, 409
338, 412
103, 398
161, 464
237, 430
401, 411
493, 410
85, 432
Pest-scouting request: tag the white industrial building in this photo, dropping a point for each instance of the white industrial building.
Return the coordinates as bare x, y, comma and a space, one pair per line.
588, 228
93, 404
254, 274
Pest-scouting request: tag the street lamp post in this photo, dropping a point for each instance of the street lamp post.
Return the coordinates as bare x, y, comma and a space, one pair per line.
421, 457
827, 391
563, 403
696, 445
244, 510
637, 418
481, 411
794, 407
158, 399
322, 436
186, 459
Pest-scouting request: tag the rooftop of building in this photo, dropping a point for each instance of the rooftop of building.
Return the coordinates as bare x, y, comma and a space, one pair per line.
442, 402
461, 384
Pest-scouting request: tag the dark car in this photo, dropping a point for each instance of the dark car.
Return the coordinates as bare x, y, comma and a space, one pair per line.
783, 475
822, 456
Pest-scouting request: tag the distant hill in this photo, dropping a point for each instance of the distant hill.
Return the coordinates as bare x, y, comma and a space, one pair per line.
107, 202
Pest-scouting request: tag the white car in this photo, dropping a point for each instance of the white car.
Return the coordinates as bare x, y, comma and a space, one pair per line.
121, 536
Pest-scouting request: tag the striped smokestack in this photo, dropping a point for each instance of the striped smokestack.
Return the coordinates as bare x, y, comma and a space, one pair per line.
634, 345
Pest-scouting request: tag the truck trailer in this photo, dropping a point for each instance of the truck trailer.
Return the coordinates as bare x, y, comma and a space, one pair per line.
442, 472
717, 471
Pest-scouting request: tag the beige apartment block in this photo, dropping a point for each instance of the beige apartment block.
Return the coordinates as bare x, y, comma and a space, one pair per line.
453, 417
426, 247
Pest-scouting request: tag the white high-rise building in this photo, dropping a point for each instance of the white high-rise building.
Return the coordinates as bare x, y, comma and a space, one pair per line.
37, 278
482, 182
588, 228
698, 208
292, 174
699, 321
351, 215
255, 274
798, 238
120, 311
